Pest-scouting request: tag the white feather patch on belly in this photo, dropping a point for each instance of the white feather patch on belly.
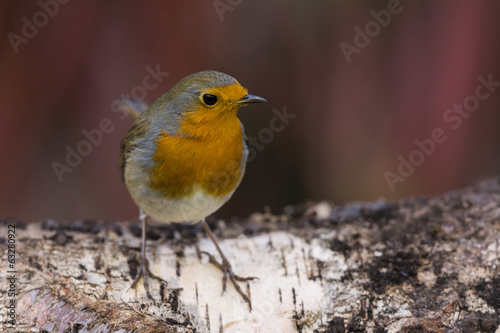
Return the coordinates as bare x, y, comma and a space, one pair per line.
192, 208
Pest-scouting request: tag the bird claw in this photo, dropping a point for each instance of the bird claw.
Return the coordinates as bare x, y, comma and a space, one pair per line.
144, 273
227, 271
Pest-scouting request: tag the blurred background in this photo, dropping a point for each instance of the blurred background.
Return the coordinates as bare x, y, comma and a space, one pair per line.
364, 80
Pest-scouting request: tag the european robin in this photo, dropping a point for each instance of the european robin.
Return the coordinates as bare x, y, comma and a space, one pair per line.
185, 156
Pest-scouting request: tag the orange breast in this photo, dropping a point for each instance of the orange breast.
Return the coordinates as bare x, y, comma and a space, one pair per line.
210, 161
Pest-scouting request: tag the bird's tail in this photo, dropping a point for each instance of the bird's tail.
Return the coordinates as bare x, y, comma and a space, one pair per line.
132, 107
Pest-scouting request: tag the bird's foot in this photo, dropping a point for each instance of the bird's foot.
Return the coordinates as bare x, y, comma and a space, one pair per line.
227, 271
145, 273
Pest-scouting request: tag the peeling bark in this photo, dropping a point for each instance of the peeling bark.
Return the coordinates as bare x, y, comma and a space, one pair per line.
418, 265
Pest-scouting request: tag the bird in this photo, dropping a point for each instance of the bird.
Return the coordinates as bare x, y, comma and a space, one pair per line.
184, 157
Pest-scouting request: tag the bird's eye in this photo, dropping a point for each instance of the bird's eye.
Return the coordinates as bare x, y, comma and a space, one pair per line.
209, 99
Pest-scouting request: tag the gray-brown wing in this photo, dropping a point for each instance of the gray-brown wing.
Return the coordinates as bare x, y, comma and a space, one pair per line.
137, 131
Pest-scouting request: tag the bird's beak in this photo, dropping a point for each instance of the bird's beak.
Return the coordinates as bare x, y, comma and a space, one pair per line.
247, 99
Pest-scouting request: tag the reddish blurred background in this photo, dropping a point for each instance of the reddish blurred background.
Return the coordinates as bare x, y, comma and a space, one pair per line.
62, 64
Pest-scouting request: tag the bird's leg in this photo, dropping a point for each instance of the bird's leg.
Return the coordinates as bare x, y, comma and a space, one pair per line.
225, 267
144, 271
